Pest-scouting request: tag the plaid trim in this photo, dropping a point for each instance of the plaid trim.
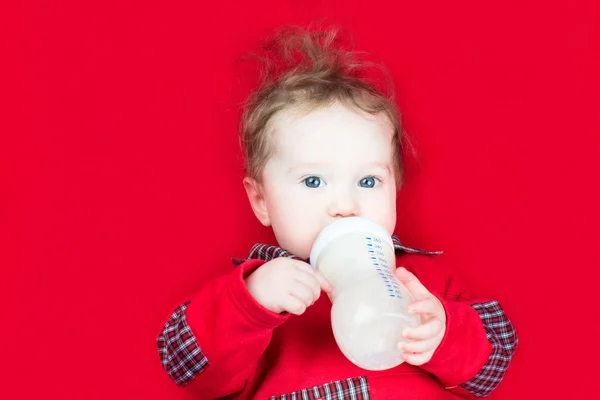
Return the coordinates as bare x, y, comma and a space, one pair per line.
345, 389
267, 253
179, 353
398, 246
503, 338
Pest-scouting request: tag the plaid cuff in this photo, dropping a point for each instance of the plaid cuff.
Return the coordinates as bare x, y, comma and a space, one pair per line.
503, 339
179, 353
345, 389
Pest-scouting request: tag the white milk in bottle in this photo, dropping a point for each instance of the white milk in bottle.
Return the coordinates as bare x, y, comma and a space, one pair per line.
369, 308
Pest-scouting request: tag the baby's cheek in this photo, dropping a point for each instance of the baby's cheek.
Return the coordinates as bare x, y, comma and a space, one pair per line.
305, 239
387, 212
306, 236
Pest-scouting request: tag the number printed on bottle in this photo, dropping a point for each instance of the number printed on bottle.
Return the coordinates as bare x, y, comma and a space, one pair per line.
379, 263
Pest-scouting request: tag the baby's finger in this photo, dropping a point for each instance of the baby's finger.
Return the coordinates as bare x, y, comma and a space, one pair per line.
304, 293
418, 346
425, 331
308, 279
416, 359
430, 305
323, 283
293, 305
414, 286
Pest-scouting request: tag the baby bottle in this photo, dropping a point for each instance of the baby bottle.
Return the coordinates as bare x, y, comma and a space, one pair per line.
369, 308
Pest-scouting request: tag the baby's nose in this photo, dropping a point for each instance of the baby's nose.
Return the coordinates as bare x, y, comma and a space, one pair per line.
344, 206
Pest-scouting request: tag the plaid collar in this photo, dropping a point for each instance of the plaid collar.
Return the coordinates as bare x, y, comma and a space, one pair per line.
268, 252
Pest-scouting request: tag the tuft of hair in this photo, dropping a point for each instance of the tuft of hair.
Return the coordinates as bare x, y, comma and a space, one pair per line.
303, 69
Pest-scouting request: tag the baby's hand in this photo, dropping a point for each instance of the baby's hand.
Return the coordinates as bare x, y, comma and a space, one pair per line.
424, 339
285, 284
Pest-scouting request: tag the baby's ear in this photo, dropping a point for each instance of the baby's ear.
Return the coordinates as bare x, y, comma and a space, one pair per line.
257, 199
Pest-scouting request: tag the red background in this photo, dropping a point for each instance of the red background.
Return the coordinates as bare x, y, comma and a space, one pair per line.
119, 168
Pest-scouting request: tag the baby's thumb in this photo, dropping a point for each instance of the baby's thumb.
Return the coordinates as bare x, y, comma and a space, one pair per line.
324, 283
414, 286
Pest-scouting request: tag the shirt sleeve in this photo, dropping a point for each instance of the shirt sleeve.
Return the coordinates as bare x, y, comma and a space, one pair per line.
211, 344
479, 341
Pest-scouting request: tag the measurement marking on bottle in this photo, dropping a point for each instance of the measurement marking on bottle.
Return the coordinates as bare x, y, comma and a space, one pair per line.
379, 263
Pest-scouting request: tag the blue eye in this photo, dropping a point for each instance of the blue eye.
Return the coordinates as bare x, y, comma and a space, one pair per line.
313, 182
368, 182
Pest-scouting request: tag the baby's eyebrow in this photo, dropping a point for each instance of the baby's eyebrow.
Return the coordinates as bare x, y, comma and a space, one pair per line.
319, 166
306, 165
385, 166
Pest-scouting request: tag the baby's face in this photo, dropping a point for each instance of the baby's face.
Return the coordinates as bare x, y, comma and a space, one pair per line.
331, 163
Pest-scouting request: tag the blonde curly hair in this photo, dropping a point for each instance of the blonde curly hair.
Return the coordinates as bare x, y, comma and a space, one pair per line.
305, 69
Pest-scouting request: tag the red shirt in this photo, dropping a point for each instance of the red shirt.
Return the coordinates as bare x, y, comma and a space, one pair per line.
223, 343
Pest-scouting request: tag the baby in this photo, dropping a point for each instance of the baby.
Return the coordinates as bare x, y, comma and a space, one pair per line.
322, 143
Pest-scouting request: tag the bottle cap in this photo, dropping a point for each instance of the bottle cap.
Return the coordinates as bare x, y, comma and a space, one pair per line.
344, 226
